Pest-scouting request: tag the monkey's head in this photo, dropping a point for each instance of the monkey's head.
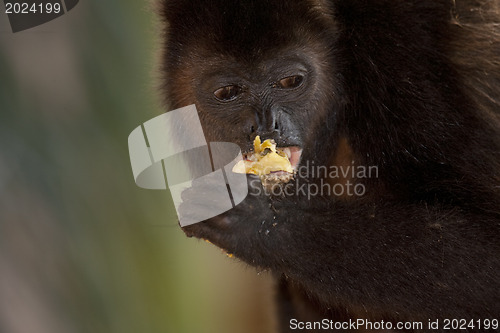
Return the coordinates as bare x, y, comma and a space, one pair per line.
252, 68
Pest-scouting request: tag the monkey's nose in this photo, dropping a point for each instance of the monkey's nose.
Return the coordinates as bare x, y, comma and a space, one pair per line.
264, 135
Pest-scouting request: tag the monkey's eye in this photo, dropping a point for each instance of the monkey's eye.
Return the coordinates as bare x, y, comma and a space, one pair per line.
290, 82
227, 93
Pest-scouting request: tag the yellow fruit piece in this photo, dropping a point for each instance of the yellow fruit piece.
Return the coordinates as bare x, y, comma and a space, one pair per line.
263, 162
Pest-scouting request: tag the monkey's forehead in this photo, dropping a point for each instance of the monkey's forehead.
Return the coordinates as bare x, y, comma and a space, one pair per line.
244, 27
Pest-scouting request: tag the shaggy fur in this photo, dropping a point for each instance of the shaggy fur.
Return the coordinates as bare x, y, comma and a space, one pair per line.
410, 86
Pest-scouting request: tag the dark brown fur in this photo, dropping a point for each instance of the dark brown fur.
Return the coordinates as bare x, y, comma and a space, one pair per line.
414, 88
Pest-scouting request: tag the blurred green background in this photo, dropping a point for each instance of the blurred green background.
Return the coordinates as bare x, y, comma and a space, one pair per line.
82, 249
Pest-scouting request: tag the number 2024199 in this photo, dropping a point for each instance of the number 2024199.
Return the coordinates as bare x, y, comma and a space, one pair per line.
26, 8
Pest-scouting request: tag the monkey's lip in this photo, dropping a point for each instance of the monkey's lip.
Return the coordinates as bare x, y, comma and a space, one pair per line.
294, 153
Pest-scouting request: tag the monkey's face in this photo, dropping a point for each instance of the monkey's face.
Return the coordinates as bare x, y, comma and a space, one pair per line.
280, 95
253, 68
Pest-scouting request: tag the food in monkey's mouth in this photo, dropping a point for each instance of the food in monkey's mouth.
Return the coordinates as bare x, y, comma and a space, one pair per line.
272, 164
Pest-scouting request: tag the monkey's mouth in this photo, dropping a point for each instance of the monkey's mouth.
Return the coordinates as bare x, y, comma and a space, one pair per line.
294, 154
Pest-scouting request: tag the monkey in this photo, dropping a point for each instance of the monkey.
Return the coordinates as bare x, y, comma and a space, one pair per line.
410, 87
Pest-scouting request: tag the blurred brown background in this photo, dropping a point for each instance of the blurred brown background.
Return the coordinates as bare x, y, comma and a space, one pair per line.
82, 249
